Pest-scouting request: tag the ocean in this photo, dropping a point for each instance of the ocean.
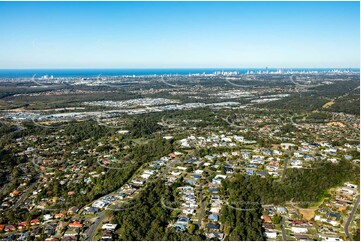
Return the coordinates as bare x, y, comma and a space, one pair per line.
15, 73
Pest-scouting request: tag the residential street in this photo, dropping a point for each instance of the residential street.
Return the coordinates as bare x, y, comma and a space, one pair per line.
26, 194
101, 216
94, 226
201, 214
285, 168
349, 220
284, 237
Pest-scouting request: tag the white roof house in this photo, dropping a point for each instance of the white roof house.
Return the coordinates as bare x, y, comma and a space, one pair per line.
271, 235
150, 172
350, 185
181, 168
298, 230
218, 179
99, 204
109, 226
47, 216
145, 176
189, 211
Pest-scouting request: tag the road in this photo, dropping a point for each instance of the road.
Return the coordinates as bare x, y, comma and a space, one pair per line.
284, 169
232, 124
92, 229
165, 124
90, 232
284, 237
26, 193
201, 214
19, 126
349, 220
168, 167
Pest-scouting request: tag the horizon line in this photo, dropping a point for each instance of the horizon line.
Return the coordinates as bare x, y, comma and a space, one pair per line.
165, 68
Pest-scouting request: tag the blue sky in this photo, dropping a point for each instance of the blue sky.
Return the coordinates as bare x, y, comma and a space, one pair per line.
179, 34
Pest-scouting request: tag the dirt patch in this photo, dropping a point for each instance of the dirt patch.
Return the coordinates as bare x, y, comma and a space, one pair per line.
307, 213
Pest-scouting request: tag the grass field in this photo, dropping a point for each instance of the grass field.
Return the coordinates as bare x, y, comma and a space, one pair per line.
327, 105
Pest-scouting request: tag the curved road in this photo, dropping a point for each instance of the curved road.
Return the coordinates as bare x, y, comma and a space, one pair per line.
349, 220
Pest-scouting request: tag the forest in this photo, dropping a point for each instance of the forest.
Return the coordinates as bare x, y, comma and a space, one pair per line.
241, 218
344, 94
147, 219
305, 186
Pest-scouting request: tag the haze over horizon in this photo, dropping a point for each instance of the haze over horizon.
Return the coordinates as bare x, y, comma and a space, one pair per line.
100, 35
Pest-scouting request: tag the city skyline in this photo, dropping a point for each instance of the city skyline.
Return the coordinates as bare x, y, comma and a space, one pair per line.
179, 35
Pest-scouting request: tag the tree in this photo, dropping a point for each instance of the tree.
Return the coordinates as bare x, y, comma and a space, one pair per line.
192, 228
277, 219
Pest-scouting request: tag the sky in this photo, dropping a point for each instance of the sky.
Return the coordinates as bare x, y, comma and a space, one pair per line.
179, 34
